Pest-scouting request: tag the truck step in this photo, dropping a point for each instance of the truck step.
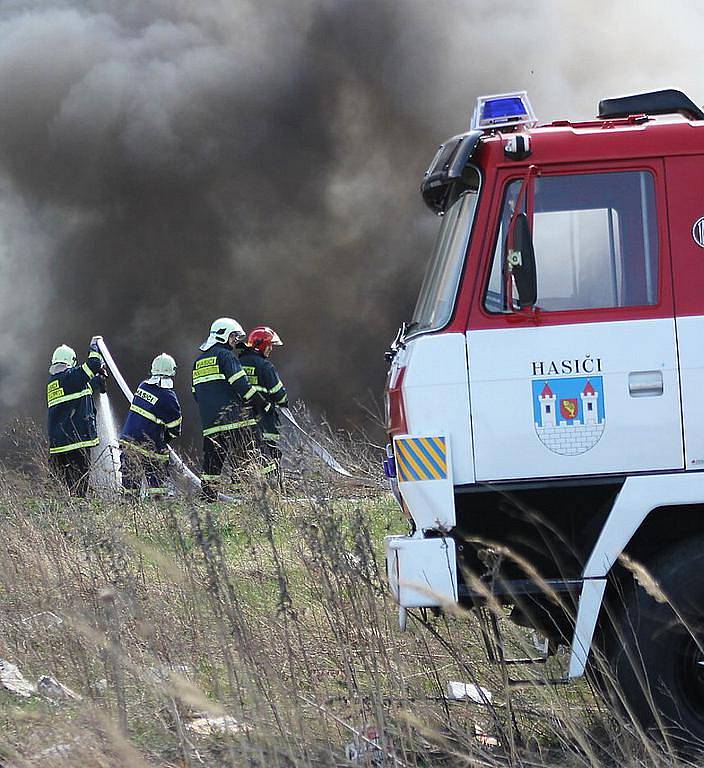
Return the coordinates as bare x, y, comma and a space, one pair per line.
538, 682
493, 640
522, 587
528, 660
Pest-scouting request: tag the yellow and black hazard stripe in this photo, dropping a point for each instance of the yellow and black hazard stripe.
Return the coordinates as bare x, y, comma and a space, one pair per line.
421, 458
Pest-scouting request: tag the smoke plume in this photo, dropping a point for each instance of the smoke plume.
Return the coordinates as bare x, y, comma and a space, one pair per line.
166, 162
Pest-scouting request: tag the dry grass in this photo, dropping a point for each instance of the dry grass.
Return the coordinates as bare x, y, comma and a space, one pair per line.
273, 612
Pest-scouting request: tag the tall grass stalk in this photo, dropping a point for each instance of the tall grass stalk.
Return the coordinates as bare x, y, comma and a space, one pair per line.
272, 612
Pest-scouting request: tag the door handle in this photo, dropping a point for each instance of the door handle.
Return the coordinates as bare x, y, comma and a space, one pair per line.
645, 383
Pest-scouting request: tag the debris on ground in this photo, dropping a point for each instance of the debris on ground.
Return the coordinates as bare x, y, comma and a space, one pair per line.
209, 726
13, 681
56, 751
163, 673
484, 738
43, 619
457, 691
367, 749
50, 688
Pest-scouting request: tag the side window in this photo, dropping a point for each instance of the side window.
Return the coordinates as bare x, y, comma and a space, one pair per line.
595, 240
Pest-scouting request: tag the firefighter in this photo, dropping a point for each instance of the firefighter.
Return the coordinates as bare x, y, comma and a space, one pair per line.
264, 377
71, 422
221, 389
153, 420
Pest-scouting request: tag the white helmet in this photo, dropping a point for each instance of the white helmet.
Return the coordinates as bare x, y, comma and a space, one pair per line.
220, 331
163, 365
64, 354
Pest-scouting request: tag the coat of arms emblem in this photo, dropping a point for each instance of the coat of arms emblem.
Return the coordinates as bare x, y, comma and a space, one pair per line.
569, 413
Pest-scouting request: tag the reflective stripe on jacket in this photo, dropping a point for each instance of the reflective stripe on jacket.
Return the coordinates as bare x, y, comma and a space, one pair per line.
71, 412
220, 388
154, 417
264, 378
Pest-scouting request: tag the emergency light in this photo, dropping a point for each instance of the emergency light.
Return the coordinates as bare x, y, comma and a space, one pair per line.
507, 109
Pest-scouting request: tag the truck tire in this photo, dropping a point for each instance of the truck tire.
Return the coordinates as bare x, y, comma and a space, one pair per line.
655, 649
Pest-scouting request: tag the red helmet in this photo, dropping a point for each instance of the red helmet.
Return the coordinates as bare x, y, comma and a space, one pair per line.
262, 337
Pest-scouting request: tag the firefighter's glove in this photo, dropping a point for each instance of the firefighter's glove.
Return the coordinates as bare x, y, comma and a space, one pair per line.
94, 352
260, 403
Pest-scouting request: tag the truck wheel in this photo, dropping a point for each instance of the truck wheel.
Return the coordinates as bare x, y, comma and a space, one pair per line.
656, 649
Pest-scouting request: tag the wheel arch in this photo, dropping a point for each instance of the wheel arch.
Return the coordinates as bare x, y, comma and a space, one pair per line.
664, 527
650, 513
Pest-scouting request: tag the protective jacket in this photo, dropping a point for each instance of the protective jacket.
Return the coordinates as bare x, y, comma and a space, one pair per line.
221, 389
71, 412
154, 418
264, 378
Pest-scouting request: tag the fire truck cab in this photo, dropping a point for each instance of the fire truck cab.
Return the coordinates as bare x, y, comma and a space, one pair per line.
545, 401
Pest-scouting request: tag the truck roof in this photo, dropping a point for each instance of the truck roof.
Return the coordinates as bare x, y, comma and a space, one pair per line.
648, 125
636, 136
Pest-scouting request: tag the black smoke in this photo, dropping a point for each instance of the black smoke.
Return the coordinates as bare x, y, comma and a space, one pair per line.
166, 162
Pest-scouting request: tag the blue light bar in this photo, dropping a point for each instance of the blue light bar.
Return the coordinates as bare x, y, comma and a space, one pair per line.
503, 110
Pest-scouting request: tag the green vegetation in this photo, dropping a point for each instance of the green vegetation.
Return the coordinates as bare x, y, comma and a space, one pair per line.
272, 612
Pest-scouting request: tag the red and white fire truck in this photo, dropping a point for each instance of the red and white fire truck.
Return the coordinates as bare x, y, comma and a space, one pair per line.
545, 403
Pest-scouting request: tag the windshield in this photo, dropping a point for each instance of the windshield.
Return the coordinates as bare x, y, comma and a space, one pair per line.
442, 276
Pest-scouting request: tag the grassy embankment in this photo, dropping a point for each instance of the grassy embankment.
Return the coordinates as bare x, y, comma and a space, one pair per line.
272, 611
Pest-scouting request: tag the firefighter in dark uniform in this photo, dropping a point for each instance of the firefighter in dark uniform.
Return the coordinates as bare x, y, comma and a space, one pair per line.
153, 420
221, 390
71, 420
263, 376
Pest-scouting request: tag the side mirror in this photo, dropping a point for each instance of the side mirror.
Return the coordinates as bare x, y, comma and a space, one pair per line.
519, 261
397, 343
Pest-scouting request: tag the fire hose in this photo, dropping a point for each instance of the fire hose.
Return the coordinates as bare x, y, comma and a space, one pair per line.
127, 392
316, 447
191, 476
